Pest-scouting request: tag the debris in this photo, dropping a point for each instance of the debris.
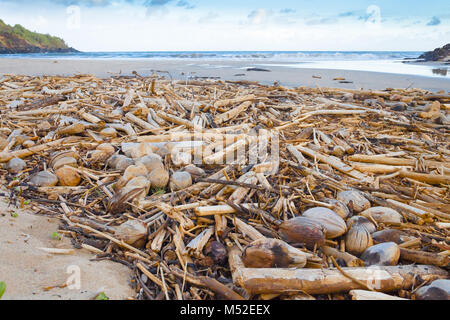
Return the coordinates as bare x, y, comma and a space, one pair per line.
212, 189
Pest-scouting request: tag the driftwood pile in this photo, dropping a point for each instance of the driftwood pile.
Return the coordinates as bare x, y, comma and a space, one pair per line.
236, 190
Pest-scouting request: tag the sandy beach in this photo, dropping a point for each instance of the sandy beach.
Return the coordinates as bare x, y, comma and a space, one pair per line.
225, 70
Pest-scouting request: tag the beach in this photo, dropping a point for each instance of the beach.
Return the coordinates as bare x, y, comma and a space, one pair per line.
287, 74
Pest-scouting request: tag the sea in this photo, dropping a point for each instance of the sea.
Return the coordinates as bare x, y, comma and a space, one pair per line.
398, 62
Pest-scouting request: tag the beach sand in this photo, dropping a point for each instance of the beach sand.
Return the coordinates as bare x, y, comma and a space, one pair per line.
27, 270
225, 70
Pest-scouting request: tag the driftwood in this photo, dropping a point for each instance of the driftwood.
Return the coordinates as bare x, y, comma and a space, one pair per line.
164, 176
323, 281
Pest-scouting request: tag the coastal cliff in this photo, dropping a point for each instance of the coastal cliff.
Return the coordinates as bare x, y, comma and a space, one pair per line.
17, 39
438, 54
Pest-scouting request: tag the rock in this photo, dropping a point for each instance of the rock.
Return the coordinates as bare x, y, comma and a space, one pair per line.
437, 290
15, 165
43, 179
180, 180
438, 54
383, 254
354, 200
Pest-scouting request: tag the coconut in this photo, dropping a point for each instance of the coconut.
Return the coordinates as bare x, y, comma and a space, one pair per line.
109, 133
334, 225
193, 170
102, 152
303, 230
138, 182
15, 165
339, 207
358, 239
159, 178
141, 150
437, 290
383, 215
65, 161
391, 235
165, 149
67, 176
272, 253
28, 143
63, 154
180, 180
354, 200
43, 179
360, 220
119, 162
151, 161
383, 254
131, 231
181, 158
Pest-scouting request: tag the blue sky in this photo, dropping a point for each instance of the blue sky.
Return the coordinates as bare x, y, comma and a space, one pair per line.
146, 25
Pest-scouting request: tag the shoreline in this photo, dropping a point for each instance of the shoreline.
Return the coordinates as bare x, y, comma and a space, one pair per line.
224, 70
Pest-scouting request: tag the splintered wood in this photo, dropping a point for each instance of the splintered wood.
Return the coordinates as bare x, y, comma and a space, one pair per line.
236, 190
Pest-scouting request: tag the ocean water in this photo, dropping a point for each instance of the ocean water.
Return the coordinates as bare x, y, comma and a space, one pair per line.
376, 61
282, 56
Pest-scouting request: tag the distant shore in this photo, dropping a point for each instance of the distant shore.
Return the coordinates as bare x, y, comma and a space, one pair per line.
224, 70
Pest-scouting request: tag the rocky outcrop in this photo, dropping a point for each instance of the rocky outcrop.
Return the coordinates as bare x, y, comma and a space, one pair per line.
17, 39
439, 54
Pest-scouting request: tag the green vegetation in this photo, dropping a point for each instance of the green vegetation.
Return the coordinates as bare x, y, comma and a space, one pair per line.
101, 296
56, 236
17, 39
2, 285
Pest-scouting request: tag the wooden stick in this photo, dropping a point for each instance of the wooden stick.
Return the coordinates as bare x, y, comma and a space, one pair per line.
424, 257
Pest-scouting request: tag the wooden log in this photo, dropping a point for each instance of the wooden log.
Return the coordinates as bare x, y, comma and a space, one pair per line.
425, 177
350, 260
326, 281
141, 123
6, 156
396, 161
226, 102
372, 295
227, 116
336, 163
423, 257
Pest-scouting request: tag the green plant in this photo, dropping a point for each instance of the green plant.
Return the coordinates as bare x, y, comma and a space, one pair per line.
14, 215
101, 296
2, 288
159, 191
56, 236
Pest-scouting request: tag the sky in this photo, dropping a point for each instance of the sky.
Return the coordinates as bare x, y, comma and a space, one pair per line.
232, 25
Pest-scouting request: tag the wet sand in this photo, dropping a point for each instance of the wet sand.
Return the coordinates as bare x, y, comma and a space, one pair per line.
225, 70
